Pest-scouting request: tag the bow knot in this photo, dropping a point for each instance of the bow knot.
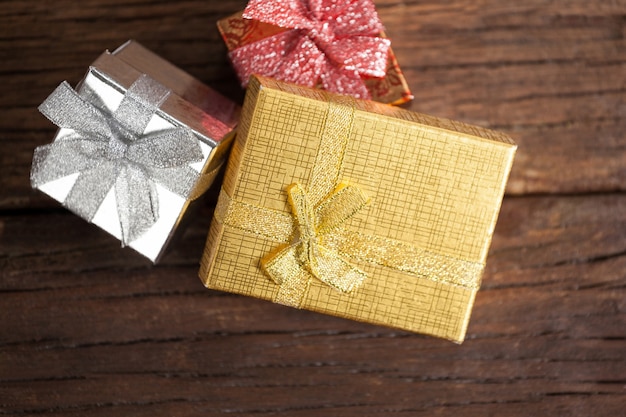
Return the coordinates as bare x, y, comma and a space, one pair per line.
118, 143
322, 34
292, 266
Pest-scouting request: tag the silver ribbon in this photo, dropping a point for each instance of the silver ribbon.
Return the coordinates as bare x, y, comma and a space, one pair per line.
111, 150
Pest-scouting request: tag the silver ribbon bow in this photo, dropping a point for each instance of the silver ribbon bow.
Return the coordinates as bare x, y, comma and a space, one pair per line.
111, 150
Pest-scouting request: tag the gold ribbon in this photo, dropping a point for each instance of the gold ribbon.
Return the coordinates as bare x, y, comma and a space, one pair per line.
204, 182
280, 227
314, 243
293, 266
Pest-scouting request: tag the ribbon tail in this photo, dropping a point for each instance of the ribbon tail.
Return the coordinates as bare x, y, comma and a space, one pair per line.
137, 203
284, 269
90, 189
330, 268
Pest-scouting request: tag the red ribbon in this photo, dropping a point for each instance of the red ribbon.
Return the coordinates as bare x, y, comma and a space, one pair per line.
333, 40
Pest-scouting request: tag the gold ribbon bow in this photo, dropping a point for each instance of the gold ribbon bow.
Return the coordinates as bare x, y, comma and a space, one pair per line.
293, 266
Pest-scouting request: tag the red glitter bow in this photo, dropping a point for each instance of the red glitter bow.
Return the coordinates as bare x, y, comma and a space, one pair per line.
333, 40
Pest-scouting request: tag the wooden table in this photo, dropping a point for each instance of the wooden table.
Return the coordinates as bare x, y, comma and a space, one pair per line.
90, 329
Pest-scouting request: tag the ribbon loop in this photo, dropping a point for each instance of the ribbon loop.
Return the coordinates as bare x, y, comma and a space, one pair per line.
66, 109
111, 150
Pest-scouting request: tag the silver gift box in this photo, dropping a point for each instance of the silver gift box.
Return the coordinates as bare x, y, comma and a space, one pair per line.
131, 196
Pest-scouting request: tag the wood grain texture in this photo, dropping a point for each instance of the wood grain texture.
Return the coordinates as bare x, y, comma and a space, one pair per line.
90, 329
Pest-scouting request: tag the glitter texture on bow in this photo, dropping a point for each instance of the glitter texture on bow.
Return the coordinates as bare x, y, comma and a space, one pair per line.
110, 150
293, 265
335, 42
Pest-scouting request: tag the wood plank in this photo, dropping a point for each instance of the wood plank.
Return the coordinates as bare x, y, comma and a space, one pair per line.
89, 333
91, 329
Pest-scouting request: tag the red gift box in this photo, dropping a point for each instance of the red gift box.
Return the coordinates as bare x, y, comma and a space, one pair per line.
305, 50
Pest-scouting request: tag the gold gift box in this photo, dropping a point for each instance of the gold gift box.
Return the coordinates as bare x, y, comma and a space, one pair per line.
357, 209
